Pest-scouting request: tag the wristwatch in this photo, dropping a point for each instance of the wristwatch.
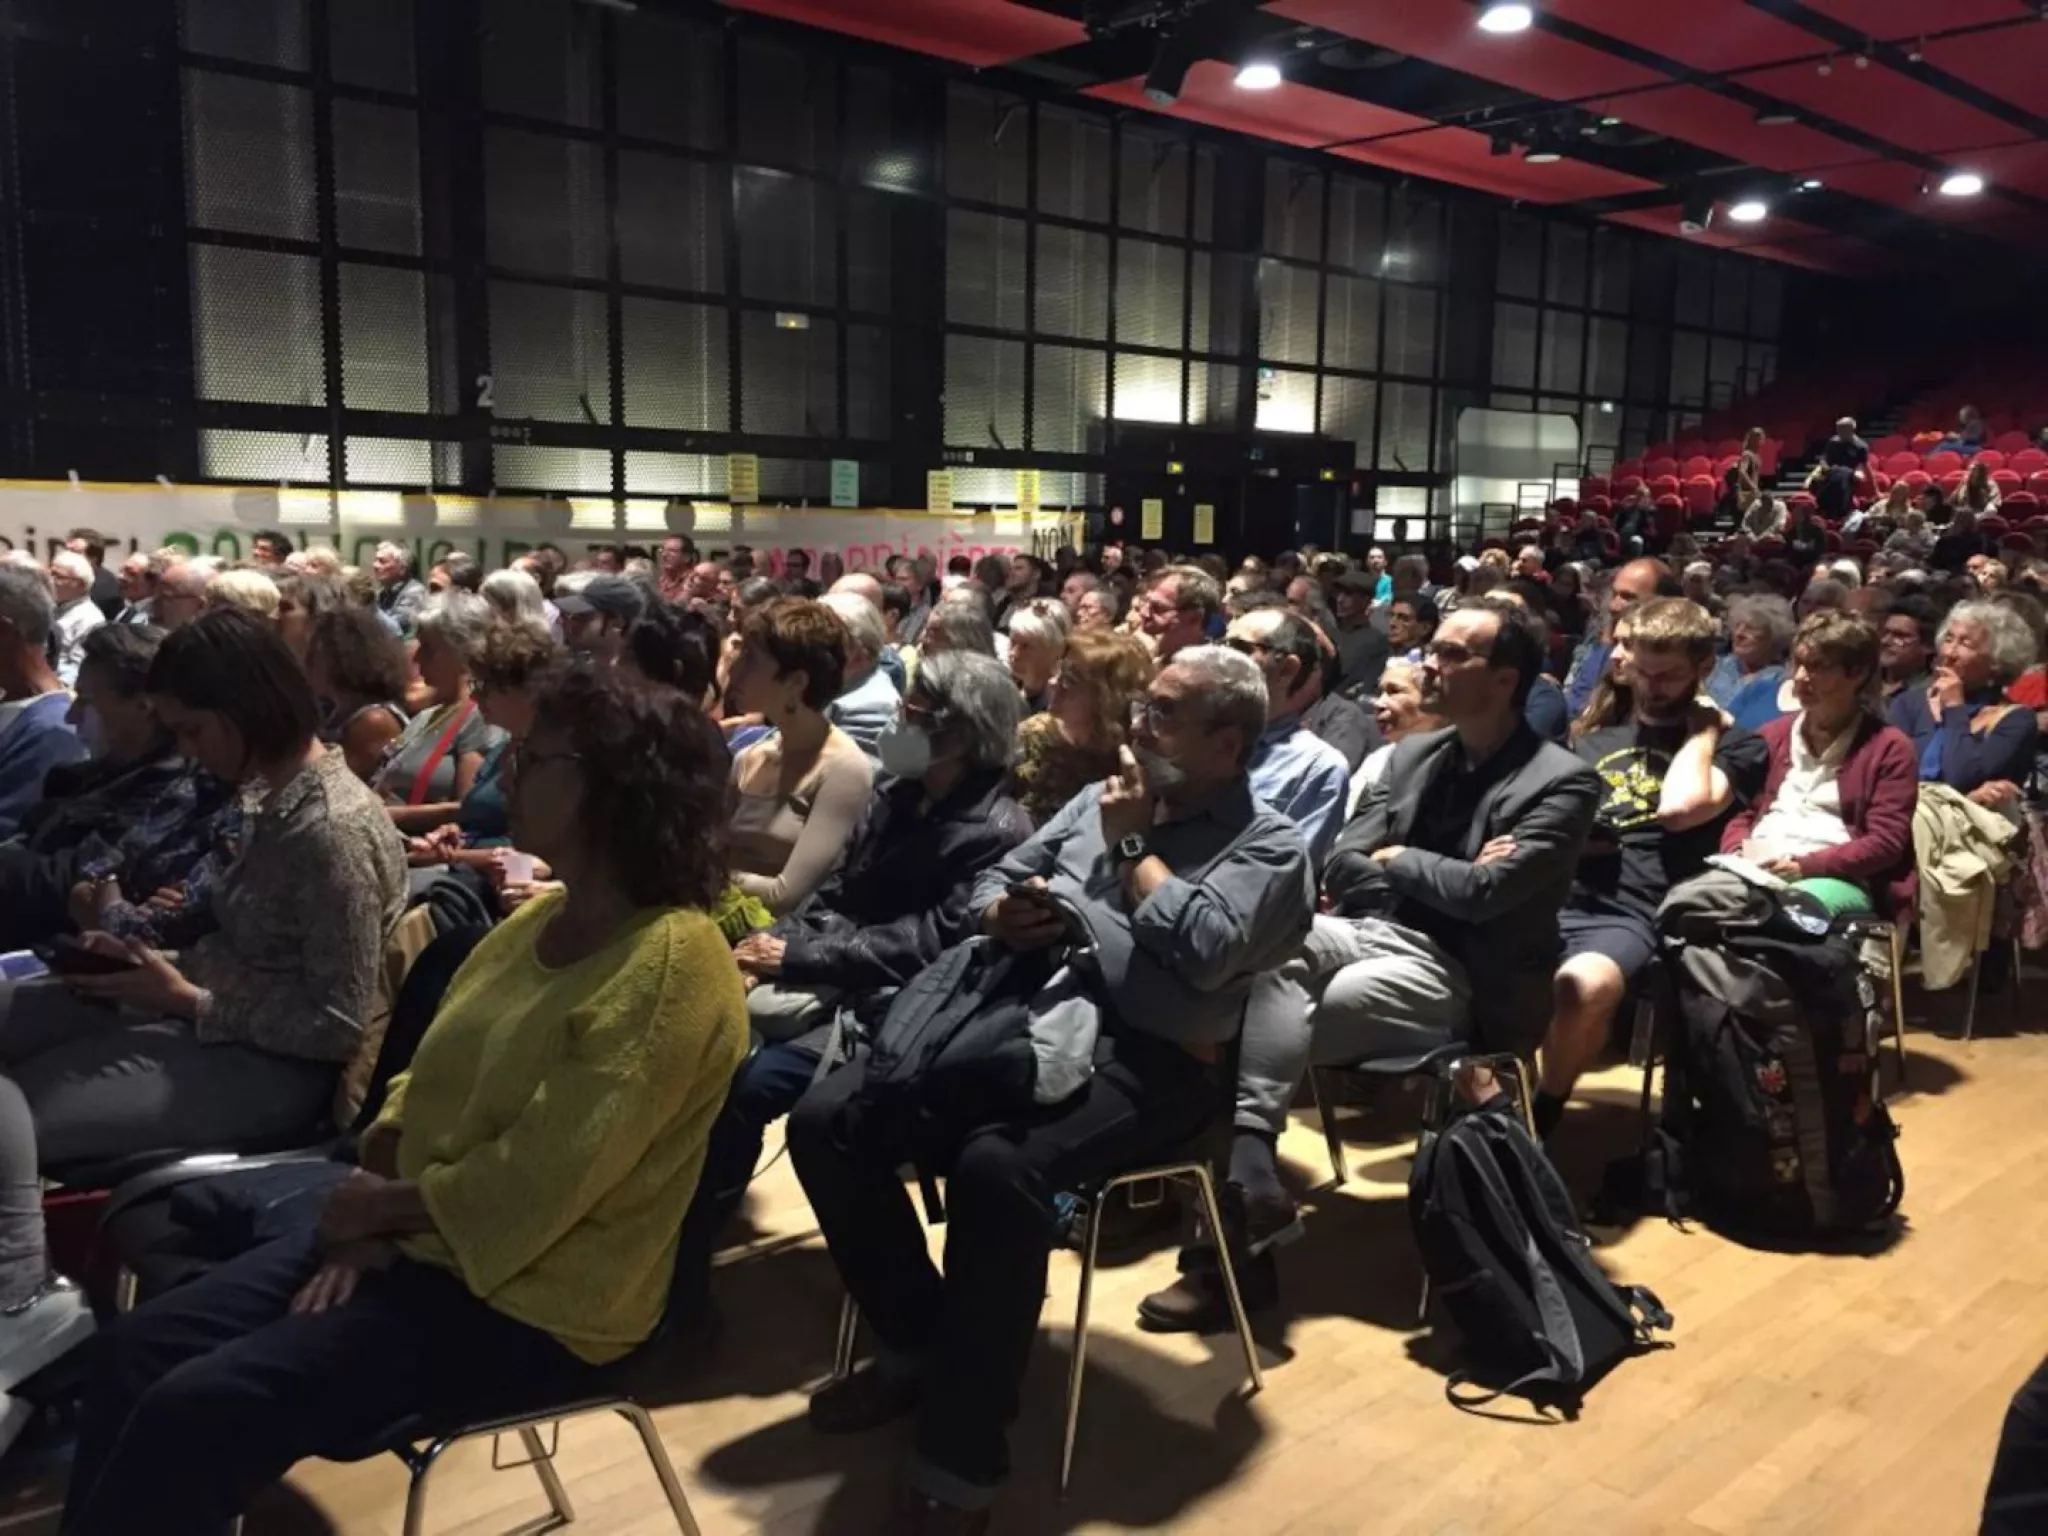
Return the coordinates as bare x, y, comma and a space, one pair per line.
1131, 847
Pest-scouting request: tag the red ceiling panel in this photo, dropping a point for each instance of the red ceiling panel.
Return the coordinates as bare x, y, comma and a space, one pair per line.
1293, 114
2011, 63
1698, 116
1461, 156
977, 32
1895, 19
1442, 31
1304, 116
1712, 35
1883, 102
1779, 239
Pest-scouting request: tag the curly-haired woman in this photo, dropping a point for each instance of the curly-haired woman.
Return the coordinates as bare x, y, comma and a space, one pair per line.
1074, 742
516, 1215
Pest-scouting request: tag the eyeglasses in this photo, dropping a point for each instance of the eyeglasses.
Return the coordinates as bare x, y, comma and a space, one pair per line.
1151, 713
1247, 647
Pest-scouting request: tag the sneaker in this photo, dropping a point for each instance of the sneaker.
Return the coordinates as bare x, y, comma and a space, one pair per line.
50, 1324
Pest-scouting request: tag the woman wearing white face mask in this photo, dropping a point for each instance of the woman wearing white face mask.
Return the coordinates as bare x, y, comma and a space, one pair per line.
939, 819
136, 810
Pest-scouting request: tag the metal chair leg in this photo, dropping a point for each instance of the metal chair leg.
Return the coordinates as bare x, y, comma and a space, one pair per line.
1435, 1094
849, 1336
422, 1463
543, 1462
2018, 972
1340, 1172
1228, 1269
1898, 935
1077, 1364
1970, 1017
664, 1469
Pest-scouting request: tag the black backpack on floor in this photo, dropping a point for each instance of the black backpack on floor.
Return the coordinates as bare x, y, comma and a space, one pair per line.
1770, 1126
1504, 1254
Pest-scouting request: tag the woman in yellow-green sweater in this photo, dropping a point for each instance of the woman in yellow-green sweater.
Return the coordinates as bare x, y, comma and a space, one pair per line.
516, 1214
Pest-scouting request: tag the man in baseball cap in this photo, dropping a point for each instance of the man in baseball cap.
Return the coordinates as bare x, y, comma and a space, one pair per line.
596, 619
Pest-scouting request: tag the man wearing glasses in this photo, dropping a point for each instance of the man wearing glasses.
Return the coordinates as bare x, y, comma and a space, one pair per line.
1445, 889
1189, 888
1176, 611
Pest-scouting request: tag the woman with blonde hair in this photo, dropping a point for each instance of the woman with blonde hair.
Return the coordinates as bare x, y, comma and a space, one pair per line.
1038, 638
1074, 743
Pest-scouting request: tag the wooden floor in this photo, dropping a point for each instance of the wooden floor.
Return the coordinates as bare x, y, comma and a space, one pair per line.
1804, 1394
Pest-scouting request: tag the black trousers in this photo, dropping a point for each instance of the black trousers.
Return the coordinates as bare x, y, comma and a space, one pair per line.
214, 1390
2016, 1503
973, 1327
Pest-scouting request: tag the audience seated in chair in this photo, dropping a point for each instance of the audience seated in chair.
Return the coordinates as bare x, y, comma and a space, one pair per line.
1835, 814
1075, 742
1636, 582
1669, 768
1293, 770
435, 761
137, 810
939, 818
800, 791
35, 725
1189, 888
516, 1215
1963, 732
868, 698
1445, 889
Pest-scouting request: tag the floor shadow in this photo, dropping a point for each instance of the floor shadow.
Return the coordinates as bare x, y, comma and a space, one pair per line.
1140, 1461
774, 1319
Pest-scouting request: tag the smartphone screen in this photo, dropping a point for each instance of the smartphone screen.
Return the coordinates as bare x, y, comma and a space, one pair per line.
21, 965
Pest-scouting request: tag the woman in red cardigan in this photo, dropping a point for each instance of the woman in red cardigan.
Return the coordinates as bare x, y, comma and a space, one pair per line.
1837, 804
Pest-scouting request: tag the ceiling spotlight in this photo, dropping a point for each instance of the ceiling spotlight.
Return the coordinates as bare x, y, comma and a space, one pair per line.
1505, 16
1259, 75
1827, 67
1775, 117
1961, 184
1751, 210
1542, 154
1171, 61
1696, 212
1811, 184
1916, 52
1610, 122
1863, 61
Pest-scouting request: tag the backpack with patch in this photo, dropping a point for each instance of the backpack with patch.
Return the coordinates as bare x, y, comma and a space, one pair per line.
1504, 1254
1770, 1123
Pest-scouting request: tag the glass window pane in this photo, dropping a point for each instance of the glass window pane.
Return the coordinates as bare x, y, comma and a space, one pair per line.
1410, 343
1069, 396
1294, 210
544, 204
1287, 312
987, 143
984, 392
1514, 346
1564, 281
1521, 252
1607, 357
1564, 343
1073, 283
1147, 388
1611, 253
1348, 406
670, 224
1152, 182
1073, 164
1415, 238
984, 270
1351, 323
789, 105
1150, 293
789, 237
1358, 223
1404, 428
1287, 401
249, 156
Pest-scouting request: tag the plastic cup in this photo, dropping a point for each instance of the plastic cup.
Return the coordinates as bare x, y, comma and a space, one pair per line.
518, 868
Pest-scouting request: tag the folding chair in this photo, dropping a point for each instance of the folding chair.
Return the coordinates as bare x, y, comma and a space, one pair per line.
1094, 1199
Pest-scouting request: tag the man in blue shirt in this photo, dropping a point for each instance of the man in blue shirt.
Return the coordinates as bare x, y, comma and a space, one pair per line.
1295, 772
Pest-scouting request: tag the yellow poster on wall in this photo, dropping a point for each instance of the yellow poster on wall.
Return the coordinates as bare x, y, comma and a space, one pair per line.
1027, 493
938, 492
1205, 523
1151, 518
742, 479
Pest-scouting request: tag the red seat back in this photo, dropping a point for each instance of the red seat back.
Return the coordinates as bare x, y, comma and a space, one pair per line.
2011, 442
1991, 459
2007, 482
1664, 485
1660, 469
1941, 463
1900, 463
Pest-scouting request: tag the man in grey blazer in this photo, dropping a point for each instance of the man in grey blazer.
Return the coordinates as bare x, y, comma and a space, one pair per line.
1445, 890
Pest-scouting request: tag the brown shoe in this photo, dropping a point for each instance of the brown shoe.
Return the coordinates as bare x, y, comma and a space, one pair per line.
1197, 1302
